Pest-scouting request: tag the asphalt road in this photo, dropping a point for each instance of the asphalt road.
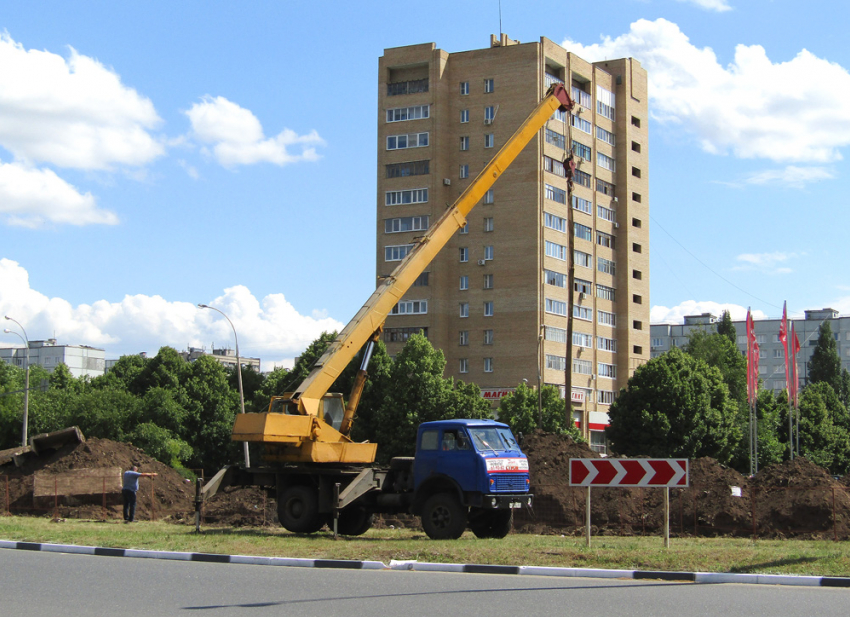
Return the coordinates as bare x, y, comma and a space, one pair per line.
53, 584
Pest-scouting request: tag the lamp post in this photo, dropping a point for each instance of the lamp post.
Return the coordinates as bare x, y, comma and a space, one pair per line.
26, 341
238, 374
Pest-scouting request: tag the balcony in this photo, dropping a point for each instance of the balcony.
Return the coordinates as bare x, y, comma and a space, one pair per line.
407, 87
581, 97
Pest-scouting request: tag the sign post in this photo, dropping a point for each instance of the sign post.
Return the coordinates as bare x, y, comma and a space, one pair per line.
630, 472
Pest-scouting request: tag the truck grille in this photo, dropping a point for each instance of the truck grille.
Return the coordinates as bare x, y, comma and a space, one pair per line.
510, 483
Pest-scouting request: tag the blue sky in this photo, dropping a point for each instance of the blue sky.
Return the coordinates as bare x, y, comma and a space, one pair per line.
156, 155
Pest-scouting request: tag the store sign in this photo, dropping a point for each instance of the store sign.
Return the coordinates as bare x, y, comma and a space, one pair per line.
577, 396
495, 394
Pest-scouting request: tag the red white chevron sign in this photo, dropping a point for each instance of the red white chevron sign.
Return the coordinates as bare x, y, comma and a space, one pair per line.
629, 472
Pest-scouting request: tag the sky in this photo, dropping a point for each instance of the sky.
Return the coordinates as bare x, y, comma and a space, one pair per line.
158, 155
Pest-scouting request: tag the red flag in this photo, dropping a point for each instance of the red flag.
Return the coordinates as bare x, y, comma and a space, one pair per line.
783, 337
752, 359
795, 348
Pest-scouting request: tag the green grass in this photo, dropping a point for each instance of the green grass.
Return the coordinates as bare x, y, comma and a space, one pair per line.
820, 558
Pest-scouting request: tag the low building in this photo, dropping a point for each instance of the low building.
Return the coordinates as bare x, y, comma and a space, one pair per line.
81, 360
226, 357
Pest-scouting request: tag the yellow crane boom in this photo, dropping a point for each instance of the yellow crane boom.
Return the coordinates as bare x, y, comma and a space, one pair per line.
303, 432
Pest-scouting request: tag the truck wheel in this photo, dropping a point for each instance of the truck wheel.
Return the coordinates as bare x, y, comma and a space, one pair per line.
354, 521
443, 518
298, 510
492, 524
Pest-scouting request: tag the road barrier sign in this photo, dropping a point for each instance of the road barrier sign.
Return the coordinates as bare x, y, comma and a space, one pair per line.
648, 472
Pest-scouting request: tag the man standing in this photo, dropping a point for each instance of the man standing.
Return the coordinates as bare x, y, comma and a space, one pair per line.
131, 485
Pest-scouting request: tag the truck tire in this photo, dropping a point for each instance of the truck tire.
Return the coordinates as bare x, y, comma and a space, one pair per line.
443, 517
298, 510
492, 524
354, 521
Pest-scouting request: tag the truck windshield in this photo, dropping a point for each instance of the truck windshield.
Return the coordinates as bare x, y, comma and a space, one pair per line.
490, 438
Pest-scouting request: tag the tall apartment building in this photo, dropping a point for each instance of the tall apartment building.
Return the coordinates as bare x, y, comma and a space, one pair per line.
495, 300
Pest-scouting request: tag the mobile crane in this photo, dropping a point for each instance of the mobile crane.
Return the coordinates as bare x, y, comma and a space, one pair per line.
465, 472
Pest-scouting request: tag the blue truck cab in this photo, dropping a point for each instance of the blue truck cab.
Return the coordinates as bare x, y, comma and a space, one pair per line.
468, 473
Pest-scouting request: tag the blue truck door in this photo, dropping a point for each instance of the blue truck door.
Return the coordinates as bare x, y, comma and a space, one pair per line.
447, 452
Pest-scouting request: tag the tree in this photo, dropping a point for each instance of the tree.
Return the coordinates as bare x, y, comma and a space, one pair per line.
252, 383
726, 328
674, 405
823, 438
825, 364
420, 393
519, 411
719, 351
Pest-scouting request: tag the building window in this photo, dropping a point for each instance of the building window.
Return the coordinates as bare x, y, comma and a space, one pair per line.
489, 140
488, 86
605, 162
606, 266
607, 319
555, 167
581, 150
488, 224
637, 275
657, 342
636, 121
555, 138
555, 194
603, 239
489, 114
603, 397
636, 223
400, 114
556, 251
635, 147
637, 325
488, 365
606, 214
637, 299
582, 231
488, 337
581, 124
406, 223
636, 172
585, 260
400, 335
464, 282
410, 168
555, 278
464, 337
463, 365
410, 307
488, 309
488, 197
604, 103
582, 286
582, 340
556, 363
488, 253
637, 349
464, 116
606, 370
488, 281
606, 136
411, 140
464, 309
581, 178
778, 353
606, 344
555, 222
637, 248
421, 280
582, 312
582, 367
464, 87
397, 252
464, 254
464, 171
556, 307
407, 87
556, 335
410, 196
606, 188
464, 143
605, 293
582, 205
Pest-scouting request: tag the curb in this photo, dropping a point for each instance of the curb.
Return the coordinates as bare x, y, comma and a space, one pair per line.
418, 566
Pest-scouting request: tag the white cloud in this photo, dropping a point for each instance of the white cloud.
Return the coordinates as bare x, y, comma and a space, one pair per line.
765, 262
792, 176
754, 107
237, 136
35, 197
710, 5
676, 315
271, 329
71, 113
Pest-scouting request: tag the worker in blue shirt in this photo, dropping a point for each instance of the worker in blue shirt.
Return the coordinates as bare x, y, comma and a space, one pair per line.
130, 486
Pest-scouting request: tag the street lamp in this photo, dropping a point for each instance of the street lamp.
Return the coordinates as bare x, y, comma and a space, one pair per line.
26, 341
238, 374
